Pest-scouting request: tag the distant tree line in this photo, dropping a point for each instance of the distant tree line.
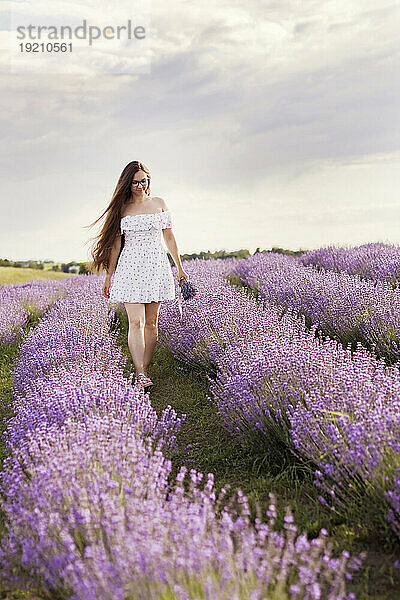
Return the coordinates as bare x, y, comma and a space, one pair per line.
83, 266
22, 264
244, 253
64, 267
39, 264
282, 251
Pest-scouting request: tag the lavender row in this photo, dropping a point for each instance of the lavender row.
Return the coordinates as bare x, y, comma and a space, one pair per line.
85, 490
70, 365
343, 306
101, 522
18, 301
277, 384
378, 261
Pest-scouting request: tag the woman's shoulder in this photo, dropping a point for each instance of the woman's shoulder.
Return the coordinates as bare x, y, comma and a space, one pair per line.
161, 203
155, 204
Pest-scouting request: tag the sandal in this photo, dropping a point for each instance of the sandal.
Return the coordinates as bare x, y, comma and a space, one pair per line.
143, 380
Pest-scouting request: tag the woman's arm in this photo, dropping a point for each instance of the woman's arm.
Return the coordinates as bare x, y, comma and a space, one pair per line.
114, 256
172, 246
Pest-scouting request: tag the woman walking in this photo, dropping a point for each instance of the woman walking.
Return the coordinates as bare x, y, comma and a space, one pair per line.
138, 270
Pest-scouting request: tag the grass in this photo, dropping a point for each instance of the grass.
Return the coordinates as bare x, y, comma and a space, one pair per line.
205, 445
15, 275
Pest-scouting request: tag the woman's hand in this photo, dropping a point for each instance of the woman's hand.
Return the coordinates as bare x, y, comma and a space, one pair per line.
181, 273
106, 287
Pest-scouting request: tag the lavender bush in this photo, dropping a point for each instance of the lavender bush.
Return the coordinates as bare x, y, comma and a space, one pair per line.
93, 517
378, 261
19, 300
343, 306
71, 365
86, 498
279, 385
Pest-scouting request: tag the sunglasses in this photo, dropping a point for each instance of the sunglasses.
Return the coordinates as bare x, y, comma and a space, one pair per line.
142, 182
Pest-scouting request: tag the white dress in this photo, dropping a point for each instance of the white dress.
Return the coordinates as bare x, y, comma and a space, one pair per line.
143, 272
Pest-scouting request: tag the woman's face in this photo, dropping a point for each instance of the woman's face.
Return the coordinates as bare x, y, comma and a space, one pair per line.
143, 182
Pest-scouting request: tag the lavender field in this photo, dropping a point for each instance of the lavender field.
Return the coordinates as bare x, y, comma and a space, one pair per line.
264, 464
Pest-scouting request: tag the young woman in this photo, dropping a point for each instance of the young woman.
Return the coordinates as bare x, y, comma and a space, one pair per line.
130, 249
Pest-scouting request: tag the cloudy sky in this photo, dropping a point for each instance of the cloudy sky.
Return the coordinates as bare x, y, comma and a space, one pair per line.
263, 123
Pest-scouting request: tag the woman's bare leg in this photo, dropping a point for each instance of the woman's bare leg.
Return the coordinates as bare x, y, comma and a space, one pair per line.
150, 332
136, 341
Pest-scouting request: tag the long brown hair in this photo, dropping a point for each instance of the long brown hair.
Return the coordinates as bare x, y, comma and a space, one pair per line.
101, 251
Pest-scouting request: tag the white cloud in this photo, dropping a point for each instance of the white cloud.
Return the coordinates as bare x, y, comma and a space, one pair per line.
245, 106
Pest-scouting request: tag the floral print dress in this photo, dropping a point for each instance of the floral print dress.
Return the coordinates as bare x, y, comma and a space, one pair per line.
143, 272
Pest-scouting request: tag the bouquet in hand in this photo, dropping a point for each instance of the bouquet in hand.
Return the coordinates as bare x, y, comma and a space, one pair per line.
187, 288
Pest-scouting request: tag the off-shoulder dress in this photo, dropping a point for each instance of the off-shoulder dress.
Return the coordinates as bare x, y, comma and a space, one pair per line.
143, 272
